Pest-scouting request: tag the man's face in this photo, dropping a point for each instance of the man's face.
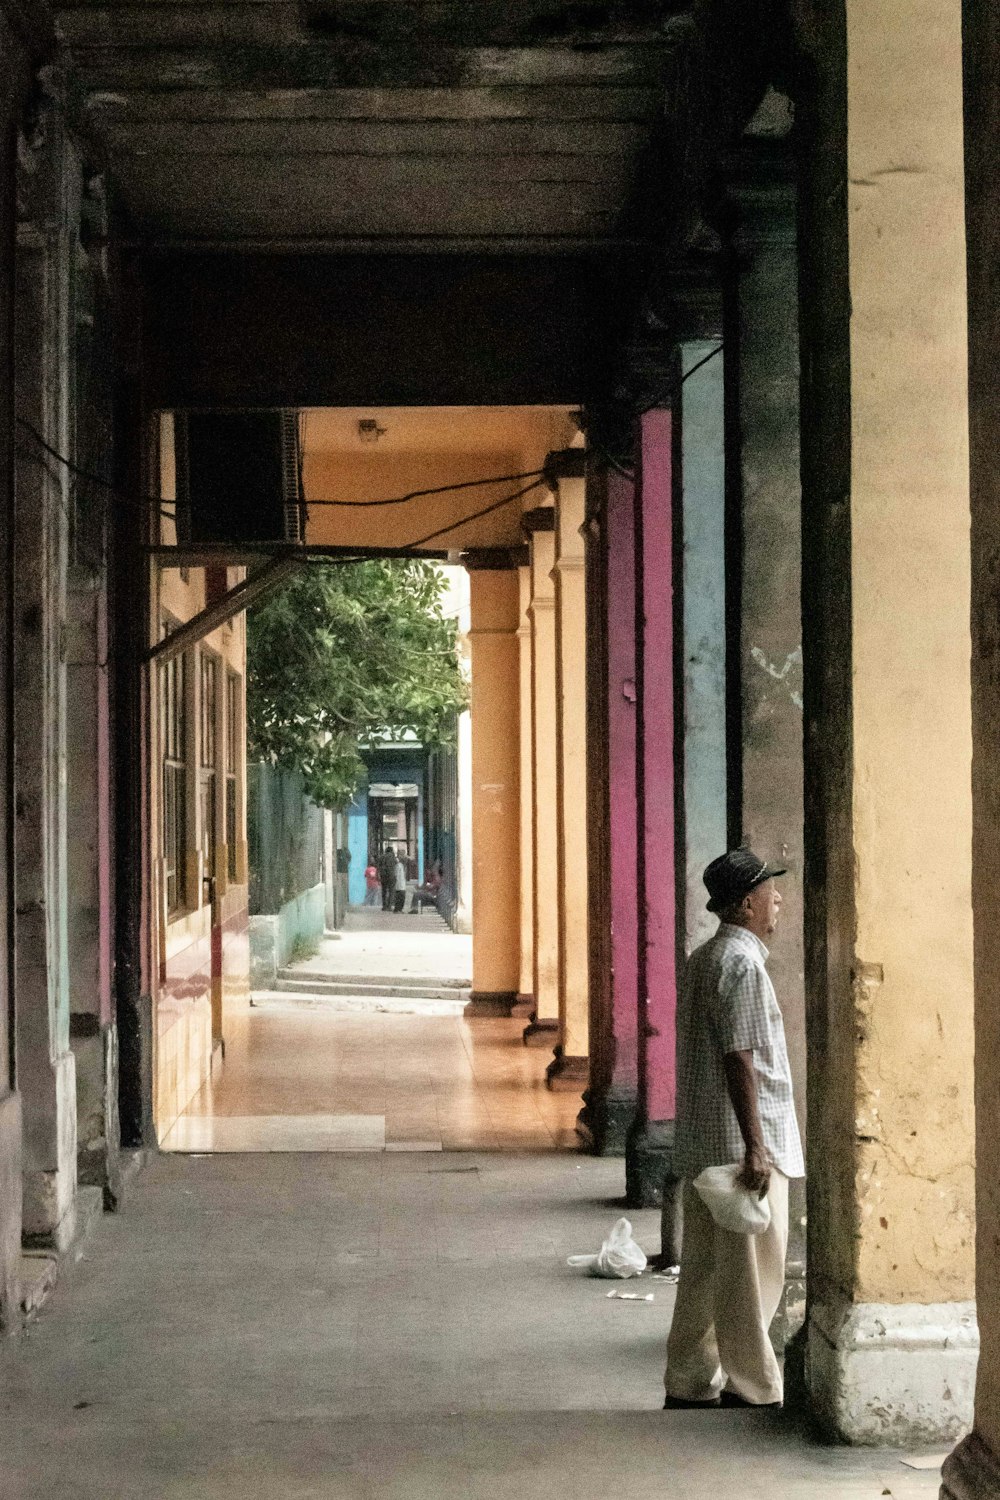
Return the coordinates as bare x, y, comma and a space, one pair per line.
762, 906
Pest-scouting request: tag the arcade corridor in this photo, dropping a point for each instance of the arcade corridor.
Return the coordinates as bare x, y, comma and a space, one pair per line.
379, 1328
673, 323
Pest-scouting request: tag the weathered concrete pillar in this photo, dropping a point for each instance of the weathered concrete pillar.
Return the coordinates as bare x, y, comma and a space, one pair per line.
973, 1470
647, 1160
93, 1035
703, 522
570, 1068
13, 84
611, 1100
766, 491
888, 806
496, 855
543, 1029
45, 1063
526, 986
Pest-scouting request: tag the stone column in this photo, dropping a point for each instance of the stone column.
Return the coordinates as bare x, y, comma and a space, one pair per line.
888, 742
767, 500
526, 986
611, 1100
496, 854
973, 1470
647, 1161
45, 1063
92, 1030
543, 1029
13, 84
570, 1068
703, 504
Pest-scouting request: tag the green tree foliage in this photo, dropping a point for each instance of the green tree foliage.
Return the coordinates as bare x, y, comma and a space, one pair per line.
343, 654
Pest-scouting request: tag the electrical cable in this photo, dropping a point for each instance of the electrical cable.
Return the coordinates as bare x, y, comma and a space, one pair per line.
159, 501
476, 515
444, 489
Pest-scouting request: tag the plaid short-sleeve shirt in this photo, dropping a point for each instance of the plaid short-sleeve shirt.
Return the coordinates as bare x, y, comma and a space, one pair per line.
727, 1004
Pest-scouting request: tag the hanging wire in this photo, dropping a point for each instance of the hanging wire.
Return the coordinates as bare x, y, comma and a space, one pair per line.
476, 515
158, 502
444, 489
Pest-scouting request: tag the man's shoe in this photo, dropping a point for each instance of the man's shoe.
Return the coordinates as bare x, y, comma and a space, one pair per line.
732, 1398
678, 1403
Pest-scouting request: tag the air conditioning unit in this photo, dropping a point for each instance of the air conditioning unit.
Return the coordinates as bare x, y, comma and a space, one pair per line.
239, 477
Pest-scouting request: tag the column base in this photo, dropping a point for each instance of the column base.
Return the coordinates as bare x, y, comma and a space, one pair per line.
10, 1212
99, 1132
607, 1117
887, 1374
567, 1075
524, 1007
540, 1033
49, 1185
972, 1472
649, 1154
486, 1003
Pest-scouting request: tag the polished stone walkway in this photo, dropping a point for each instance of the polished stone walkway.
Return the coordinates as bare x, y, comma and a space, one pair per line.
389, 1327
307, 1077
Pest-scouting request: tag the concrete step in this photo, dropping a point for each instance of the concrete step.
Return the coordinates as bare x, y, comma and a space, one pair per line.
354, 1004
40, 1266
296, 981
39, 1274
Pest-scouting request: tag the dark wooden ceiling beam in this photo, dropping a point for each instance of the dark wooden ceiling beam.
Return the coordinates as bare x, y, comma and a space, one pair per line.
471, 23
517, 140
324, 66
566, 101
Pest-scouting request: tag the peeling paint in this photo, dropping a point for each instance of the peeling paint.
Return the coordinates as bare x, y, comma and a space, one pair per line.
791, 669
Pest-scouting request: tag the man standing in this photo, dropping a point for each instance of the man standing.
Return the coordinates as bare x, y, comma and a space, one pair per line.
401, 876
387, 876
734, 1104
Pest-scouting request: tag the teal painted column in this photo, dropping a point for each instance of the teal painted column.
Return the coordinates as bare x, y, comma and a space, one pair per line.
703, 485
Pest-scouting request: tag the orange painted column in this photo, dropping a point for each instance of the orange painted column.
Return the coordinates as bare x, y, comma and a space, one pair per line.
496, 790
543, 1030
526, 987
570, 1068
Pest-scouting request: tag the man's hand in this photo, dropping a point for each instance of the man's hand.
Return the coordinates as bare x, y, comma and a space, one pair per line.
741, 1080
756, 1173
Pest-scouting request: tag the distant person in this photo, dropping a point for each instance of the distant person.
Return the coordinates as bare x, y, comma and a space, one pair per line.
387, 876
401, 878
373, 885
428, 893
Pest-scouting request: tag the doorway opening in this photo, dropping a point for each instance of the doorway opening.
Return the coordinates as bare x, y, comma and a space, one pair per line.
396, 833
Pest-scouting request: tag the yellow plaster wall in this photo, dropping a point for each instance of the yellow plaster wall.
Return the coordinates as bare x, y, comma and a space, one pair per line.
182, 994
422, 449
911, 690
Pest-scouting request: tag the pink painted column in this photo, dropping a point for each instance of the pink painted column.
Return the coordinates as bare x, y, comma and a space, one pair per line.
648, 1155
622, 788
611, 1100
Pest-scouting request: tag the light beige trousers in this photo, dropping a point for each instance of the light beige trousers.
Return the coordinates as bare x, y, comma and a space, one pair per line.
729, 1289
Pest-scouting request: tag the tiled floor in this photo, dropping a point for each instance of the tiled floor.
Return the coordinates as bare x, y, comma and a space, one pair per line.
390, 1080
390, 1327
311, 1073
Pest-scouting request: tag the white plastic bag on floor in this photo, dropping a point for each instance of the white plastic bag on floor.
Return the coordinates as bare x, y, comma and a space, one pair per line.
731, 1205
619, 1256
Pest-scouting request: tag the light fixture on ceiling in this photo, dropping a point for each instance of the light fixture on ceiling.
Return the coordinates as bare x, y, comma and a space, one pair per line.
369, 431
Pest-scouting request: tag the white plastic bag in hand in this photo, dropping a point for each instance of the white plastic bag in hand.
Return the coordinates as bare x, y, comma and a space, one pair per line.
619, 1256
731, 1205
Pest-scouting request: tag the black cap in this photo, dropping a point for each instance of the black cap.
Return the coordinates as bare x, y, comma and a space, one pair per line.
732, 876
